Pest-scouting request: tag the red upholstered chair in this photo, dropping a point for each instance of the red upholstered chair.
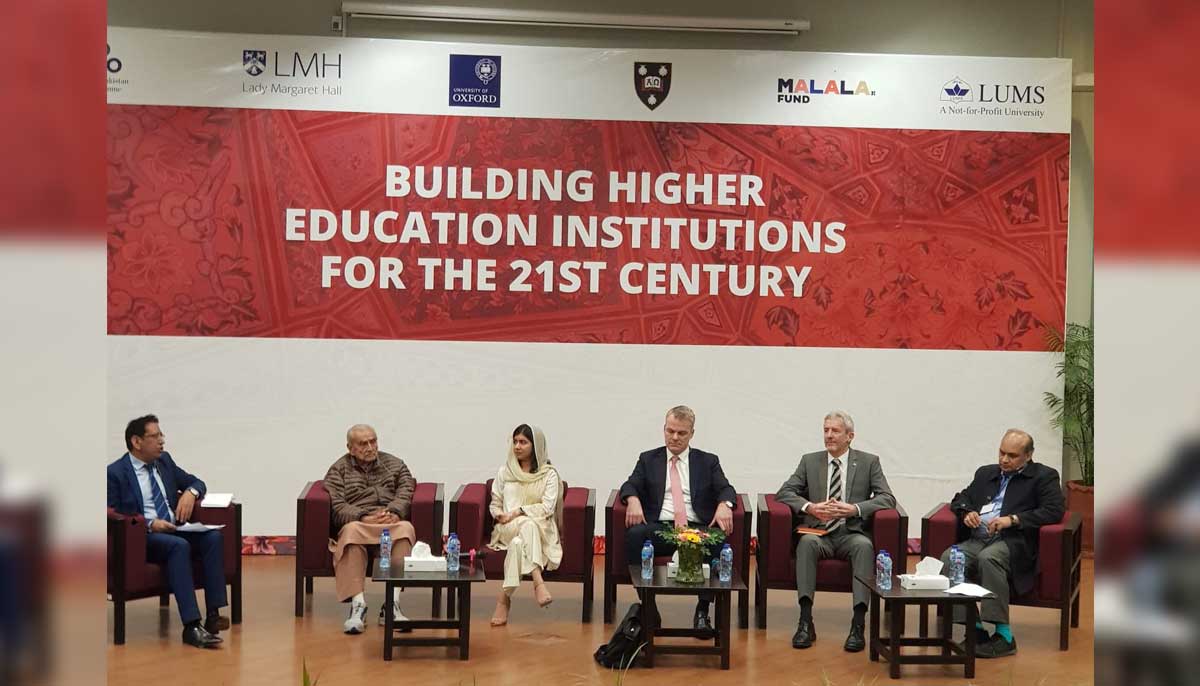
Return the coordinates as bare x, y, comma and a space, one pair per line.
472, 521
1060, 555
314, 528
776, 554
130, 577
616, 565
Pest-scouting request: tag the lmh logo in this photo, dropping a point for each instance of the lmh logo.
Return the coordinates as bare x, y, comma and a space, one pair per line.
652, 82
254, 61
956, 90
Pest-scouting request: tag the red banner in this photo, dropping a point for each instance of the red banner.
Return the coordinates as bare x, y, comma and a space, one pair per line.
890, 238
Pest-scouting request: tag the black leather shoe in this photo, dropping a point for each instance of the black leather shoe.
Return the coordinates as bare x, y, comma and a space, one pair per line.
702, 624
997, 646
805, 634
855, 641
981, 637
198, 636
215, 624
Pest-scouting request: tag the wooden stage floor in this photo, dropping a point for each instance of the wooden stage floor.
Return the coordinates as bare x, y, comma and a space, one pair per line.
544, 647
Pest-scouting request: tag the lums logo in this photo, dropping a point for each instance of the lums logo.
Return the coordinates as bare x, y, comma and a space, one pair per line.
799, 91
112, 64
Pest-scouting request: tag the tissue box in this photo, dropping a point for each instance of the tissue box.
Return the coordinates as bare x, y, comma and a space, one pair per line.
426, 564
924, 582
673, 568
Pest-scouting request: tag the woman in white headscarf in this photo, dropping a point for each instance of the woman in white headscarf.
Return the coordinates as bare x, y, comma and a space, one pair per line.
527, 502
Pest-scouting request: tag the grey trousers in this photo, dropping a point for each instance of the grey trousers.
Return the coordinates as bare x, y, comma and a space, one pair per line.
987, 563
840, 544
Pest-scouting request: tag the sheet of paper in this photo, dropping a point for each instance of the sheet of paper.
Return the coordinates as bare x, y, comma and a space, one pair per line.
973, 590
216, 500
197, 526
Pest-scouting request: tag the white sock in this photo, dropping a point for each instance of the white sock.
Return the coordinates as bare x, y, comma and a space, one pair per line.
396, 596
359, 599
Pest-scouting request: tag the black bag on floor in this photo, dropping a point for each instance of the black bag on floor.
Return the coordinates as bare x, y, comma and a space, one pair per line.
625, 641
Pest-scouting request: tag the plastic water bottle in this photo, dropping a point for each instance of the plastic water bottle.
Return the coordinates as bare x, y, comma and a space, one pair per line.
647, 560
958, 565
385, 551
883, 577
453, 550
726, 566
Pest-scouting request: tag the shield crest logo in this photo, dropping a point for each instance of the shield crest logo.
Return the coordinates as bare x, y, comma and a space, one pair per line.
254, 61
652, 82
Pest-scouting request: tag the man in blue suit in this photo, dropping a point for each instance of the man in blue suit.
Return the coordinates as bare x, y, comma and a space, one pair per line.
676, 485
146, 482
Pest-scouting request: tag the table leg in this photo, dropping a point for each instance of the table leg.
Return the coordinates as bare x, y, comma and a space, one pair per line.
894, 632
972, 618
924, 620
723, 612
389, 621
464, 621
648, 627
437, 602
947, 633
873, 639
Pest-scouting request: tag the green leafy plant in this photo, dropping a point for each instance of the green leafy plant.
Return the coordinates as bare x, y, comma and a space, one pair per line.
307, 680
1073, 412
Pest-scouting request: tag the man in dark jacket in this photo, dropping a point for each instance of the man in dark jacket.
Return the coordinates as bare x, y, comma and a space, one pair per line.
676, 485
999, 515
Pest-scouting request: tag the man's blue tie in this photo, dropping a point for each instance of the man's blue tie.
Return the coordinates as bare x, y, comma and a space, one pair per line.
160, 503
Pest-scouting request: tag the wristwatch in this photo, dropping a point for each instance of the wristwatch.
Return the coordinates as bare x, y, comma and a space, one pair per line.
194, 491
729, 504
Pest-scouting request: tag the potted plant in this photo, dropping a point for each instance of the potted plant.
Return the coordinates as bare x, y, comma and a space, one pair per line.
1073, 413
691, 544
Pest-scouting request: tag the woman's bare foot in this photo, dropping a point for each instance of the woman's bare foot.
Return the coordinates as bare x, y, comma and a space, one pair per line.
500, 616
542, 595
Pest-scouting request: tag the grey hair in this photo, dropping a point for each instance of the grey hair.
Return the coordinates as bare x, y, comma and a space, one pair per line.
843, 417
355, 429
1028, 439
683, 412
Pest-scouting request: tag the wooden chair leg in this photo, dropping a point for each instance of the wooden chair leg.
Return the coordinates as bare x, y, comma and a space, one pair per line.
760, 601
235, 601
308, 585
744, 609
1075, 613
119, 622
299, 594
164, 599
610, 598
588, 600
1064, 627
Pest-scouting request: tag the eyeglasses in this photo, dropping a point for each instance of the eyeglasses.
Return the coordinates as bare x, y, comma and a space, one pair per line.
159, 435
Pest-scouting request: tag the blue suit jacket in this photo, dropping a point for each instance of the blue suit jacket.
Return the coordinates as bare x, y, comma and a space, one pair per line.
125, 496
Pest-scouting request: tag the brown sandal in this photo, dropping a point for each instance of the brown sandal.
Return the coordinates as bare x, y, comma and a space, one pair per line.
538, 590
497, 620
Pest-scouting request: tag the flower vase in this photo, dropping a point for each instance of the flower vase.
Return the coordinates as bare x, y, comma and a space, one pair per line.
691, 569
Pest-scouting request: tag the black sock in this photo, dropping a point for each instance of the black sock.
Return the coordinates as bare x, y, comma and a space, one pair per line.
806, 609
702, 606
860, 614
192, 624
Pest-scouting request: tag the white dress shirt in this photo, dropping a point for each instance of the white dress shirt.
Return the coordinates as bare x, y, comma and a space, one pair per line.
845, 464
667, 514
144, 474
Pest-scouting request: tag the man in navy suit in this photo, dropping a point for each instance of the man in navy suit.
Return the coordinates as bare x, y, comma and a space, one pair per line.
146, 482
676, 485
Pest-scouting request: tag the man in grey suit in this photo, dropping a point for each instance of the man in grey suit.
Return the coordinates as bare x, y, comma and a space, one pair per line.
836, 490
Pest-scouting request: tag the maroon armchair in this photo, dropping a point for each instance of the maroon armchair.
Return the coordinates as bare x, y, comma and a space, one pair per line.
314, 528
472, 521
616, 566
131, 577
776, 554
1060, 556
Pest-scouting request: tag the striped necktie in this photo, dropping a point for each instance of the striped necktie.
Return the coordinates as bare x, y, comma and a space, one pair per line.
160, 502
835, 489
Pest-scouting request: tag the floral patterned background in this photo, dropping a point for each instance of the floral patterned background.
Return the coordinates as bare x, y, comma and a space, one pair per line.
955, 240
